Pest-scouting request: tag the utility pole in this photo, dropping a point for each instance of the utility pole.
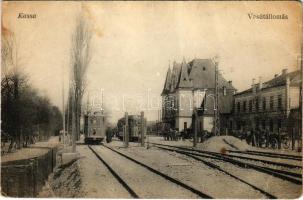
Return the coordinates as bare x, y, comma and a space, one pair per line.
216, 110
63, 107
126, 134
142, 129
159, 119
68, 119
195, 127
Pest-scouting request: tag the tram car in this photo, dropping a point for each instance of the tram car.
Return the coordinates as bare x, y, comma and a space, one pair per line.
134, 124
94, 128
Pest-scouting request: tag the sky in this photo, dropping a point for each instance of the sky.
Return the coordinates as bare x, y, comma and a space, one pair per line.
134, 43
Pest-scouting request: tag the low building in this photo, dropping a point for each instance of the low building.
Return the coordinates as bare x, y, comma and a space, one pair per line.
273, 106
190, 86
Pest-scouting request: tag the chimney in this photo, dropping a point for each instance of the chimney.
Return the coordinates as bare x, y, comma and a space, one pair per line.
284, 71
260, 83
230, 82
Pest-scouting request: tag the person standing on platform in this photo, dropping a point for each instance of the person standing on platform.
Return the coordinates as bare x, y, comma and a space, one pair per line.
109, 135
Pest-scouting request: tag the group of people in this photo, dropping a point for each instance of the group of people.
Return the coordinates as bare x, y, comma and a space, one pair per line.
263, 138
173, 135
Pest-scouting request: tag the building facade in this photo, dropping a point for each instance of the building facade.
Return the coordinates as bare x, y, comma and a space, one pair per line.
191, 86
273, 106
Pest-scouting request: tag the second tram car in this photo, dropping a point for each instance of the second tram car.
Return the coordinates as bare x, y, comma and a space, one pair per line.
134, 124
94, 128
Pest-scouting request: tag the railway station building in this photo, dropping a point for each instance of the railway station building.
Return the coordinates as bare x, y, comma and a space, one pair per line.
190, 87
272, 106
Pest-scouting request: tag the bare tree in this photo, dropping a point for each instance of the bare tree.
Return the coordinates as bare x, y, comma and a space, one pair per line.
80, 59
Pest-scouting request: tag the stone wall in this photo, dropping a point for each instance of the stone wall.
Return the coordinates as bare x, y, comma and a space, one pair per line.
25, 178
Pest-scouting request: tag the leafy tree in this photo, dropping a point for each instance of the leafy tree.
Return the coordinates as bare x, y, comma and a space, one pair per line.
23, 111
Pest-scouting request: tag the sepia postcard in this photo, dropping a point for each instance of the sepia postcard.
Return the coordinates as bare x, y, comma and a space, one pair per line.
151, 99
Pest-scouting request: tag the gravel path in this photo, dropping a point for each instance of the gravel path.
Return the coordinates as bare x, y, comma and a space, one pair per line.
35, 150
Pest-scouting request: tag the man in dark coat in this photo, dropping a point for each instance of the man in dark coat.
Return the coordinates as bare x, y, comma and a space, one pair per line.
109, 135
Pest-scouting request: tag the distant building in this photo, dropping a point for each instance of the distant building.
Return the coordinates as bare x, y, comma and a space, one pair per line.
274, 105
192, 85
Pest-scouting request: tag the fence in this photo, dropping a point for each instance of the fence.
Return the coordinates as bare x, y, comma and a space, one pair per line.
25, 178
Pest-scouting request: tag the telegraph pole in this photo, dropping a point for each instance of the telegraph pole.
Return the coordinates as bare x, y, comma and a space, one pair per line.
195, 127
142, 129
216, 120
63, 107
69, 116
126, 134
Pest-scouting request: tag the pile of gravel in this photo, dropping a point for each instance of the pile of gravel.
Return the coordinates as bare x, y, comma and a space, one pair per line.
222, 143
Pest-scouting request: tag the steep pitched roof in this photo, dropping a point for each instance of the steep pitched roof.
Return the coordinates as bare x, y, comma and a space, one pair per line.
183, 80
197, 74
202, 73
175, 76
167, 81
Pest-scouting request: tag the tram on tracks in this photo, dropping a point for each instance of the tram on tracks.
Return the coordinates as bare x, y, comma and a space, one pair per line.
134, 124
94, 127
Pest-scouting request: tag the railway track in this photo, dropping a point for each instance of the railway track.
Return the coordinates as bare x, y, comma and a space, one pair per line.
268, 154
280, 164
284, 175
113, 172
129, 189
171, 179
216, 167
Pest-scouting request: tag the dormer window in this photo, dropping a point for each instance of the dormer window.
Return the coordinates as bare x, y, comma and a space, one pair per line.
204, 68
